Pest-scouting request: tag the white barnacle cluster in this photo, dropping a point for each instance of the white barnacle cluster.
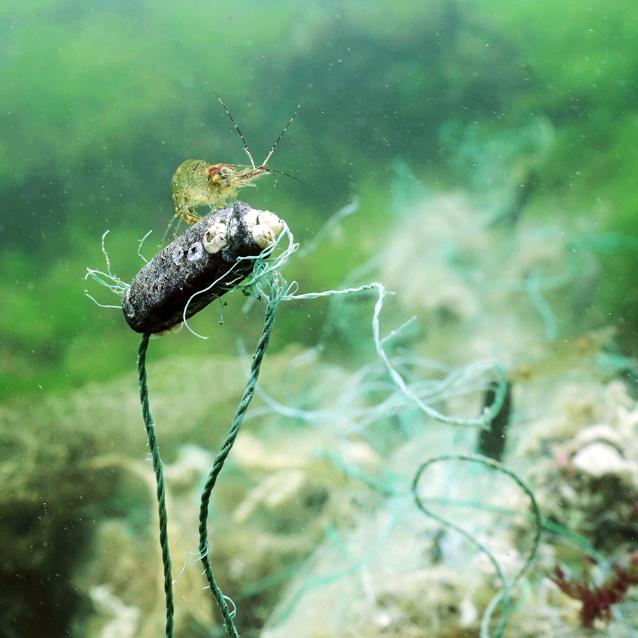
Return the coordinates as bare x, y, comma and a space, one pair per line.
264, 227
215, 238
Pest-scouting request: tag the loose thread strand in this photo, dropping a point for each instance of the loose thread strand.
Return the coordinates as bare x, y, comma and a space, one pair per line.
159, 480
503, 597
219, 461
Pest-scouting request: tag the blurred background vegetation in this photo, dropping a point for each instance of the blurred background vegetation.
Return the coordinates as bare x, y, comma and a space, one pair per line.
101, 101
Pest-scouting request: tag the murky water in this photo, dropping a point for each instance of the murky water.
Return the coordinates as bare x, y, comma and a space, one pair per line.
406, 405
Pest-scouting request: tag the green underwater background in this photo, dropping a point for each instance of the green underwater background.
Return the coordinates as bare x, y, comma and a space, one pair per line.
480, 160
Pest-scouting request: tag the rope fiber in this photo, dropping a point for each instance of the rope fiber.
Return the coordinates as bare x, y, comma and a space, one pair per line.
159, 480
218, 463
228, 611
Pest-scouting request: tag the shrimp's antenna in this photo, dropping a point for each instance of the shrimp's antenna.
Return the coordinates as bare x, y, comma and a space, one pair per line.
273, 170
241, 135
274, 146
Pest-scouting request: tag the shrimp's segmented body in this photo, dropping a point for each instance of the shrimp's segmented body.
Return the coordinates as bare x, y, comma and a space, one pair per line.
198, 183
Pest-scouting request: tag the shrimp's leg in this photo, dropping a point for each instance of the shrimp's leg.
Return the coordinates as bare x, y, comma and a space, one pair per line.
185, 213
189, 217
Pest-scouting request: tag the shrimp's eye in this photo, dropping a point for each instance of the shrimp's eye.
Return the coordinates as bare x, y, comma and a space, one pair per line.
219, 172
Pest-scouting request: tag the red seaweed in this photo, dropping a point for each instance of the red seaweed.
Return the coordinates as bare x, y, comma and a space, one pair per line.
597, 600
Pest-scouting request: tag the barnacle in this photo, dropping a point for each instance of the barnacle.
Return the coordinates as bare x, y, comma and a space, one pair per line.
264, 227
215, 238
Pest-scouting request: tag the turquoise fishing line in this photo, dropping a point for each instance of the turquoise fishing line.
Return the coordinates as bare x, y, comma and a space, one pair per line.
503, 596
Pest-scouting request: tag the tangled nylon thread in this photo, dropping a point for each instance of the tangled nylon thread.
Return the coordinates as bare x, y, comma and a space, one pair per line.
107, 279
503, 596
475, 370
266, 283
271, 286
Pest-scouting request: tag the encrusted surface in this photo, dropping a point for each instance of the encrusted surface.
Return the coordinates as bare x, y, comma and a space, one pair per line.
160, 291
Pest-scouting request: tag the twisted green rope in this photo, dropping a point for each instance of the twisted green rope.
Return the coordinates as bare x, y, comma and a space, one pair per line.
159, 480
218, 463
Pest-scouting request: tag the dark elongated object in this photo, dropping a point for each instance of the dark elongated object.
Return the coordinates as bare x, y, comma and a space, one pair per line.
206, 253
492, 440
